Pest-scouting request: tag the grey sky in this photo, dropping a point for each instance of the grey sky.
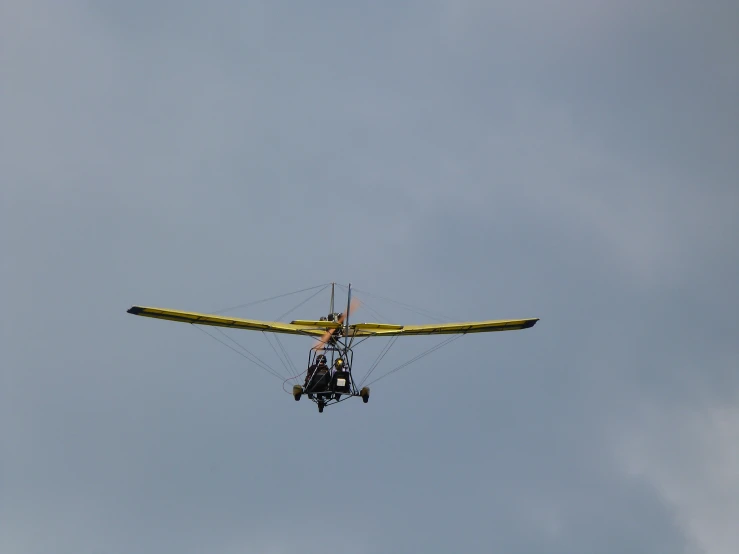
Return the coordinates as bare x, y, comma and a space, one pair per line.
576, 163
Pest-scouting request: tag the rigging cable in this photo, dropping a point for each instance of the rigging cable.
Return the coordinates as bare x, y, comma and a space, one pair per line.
271, 298
437, 316
282, 361
382, 354
294, 372
284, 350
388, 346
303, 302
279, 357
420, 311
245, 349
375, 312
385, 349
255, 362
418, 357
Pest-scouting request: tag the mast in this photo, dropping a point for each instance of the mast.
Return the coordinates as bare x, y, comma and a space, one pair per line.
346, 317
331, 305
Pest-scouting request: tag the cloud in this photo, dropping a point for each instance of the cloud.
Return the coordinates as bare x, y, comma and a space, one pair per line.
689, 453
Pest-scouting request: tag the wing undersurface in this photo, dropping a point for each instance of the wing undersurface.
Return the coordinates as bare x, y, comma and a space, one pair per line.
230, 322
318, 328
464, 327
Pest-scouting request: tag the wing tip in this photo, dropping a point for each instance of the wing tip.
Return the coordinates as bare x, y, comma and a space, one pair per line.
530, 323
135, 310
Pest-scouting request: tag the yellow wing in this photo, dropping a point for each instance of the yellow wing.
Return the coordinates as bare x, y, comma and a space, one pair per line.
312, 328
386, 330
318, 328
316, 323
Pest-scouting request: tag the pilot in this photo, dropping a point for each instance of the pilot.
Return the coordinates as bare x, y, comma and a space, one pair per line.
309, 373
320, 363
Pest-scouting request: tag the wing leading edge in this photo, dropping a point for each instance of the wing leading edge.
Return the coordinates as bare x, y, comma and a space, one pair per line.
230, 322
459, 328
318, 328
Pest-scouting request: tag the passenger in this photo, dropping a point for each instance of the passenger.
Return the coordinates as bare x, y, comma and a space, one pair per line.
338, 368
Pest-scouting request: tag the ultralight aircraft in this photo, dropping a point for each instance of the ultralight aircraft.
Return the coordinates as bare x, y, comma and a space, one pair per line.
329, 378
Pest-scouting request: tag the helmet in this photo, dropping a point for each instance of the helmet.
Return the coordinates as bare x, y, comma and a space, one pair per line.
321, 359
339, 363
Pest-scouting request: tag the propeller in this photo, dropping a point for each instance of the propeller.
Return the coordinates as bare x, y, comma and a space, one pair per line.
353, 305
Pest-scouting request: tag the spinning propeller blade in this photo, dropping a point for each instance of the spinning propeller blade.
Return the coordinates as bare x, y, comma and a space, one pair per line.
355, 303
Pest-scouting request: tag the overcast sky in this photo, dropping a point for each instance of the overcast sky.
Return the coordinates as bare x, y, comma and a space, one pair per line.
576, 162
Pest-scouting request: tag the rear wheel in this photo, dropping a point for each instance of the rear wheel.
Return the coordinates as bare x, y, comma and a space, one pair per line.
297, 392
364, 393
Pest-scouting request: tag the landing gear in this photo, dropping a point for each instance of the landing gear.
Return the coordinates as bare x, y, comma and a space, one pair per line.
328, 377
